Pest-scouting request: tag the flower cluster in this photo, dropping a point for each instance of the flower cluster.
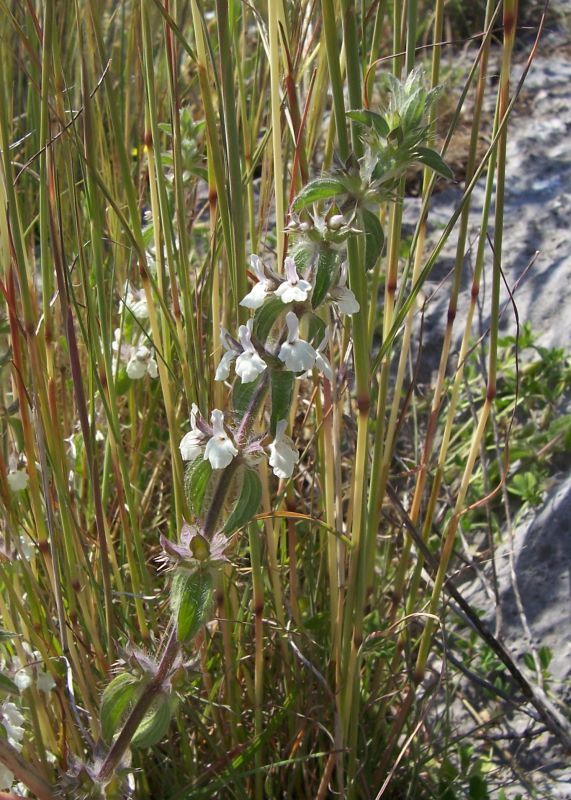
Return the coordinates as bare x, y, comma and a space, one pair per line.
129, 346
138, 358
218, 443
12, 721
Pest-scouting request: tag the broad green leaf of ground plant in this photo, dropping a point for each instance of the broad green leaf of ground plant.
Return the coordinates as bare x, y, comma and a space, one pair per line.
282, 383
156, 722
317, 190
327, 260
115, 702
247, 503
196, 483
370, 120
266, 317
190, 600
375, 238
430, 158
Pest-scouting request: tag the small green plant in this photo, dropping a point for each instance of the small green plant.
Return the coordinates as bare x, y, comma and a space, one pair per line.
228, 522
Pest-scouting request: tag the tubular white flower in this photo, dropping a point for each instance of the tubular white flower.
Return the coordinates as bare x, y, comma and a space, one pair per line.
220, 450
6, 778
12, 720
223, 369
18, 480
141, 363
136, 302
256, 296
343, 297
294, 289
283, 455
191, 443
152, 368
297, 354
23, 678
249, 364
45, 681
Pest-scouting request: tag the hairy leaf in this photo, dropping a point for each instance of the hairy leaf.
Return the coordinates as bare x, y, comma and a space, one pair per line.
266, 316
326, 266
432, 159
116, 701
190, 600
281, 392
155, 723
247, 503
196, 482
316, 190
375, 238
370, 120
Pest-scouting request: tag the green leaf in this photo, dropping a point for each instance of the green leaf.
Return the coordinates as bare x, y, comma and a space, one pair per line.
326, 267
190, 600
478, 789
281, 384
116, 701
302, 254
266, 317
247, 503
432, 160
7, 685
196, 482
370, 120
316, 190
242, 394
375, 238
155, 722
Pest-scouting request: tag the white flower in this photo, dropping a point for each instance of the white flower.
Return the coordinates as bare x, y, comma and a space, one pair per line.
256, 296
12, 720
220, 449
249, 363
141, 363
23, 678
223, 369
343, 297
293, 289
191, 443
139, 358
18, 480
6, 778
45, 681
297, 354
321, 361
283, 455
136, 302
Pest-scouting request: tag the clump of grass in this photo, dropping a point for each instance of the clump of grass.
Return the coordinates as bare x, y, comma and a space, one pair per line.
245, 421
